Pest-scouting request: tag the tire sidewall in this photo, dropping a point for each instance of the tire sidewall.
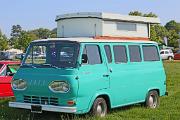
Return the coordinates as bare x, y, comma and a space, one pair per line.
95, 105
155, 94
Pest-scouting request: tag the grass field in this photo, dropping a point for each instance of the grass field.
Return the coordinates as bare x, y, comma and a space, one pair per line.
169, 105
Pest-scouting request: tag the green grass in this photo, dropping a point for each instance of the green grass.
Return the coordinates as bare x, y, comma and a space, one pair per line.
169, 105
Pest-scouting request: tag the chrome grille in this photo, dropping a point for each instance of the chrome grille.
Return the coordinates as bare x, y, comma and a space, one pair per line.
41, 100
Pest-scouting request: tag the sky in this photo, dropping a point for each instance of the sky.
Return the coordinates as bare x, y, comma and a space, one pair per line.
32, 14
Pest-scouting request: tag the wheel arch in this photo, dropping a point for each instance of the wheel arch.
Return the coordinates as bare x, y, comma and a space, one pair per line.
106, 96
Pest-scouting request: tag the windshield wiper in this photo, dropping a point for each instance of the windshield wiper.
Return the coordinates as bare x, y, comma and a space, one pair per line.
53, 66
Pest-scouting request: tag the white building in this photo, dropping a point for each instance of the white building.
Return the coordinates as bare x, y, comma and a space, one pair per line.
94, 24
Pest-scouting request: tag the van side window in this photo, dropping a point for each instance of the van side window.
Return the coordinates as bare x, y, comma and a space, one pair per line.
150, 53
91, 55
108, 53
120, 54
134, 52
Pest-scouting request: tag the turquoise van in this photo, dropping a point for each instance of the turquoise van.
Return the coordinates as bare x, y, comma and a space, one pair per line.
81, 75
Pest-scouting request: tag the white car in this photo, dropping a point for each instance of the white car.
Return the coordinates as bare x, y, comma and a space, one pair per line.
166, 54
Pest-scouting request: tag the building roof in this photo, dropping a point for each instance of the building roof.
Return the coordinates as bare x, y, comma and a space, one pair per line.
88, 39
109, 16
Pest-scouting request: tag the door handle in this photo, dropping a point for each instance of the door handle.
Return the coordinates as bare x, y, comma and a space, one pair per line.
105, 75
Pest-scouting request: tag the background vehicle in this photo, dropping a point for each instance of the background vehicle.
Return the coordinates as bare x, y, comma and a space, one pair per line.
177, 55
7, 55
166, 54
7, 70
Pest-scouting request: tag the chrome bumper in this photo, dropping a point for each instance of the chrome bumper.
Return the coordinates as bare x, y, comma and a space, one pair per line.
44, 107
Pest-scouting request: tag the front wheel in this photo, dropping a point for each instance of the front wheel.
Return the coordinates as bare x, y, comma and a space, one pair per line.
170, 58
99, 107
152, 99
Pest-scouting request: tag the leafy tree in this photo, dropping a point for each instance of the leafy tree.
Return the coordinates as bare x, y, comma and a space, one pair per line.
42, 33
173, 25
3, 42
135, 13
150, 15
15, 33
24, 39
54, 33
173, 38
158, 33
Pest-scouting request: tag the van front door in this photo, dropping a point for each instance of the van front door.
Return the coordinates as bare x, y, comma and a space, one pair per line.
93, 74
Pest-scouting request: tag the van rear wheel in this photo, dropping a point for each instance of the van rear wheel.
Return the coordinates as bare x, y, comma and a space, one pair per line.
99, 107
152, 99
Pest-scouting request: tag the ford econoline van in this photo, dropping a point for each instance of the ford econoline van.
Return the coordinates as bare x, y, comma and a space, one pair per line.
81, 75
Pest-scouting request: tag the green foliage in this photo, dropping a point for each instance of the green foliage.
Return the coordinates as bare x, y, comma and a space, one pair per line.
173, 38
150, 15
173, 25
24, 39
135, 13
15, 34
3, 42
158, 33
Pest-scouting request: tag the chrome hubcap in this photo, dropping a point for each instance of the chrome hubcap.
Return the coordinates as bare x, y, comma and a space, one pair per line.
100, 110
152, 101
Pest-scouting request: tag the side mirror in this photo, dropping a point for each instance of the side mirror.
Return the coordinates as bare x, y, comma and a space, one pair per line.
84, 58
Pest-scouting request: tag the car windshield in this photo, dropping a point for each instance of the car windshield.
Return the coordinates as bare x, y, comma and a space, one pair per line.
1, 66
56, 54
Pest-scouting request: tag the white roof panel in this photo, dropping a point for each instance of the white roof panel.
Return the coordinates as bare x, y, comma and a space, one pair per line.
86, 39
109, 16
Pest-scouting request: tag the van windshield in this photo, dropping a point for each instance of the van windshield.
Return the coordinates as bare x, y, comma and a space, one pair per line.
51, 54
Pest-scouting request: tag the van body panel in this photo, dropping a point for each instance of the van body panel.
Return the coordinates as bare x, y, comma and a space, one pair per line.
124, 83
39, 79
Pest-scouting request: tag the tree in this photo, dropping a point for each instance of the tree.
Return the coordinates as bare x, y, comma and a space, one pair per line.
173, 39
173, 25
135, 13
150, 15
54, 33
15, 33
3, 42
24, 39
42, 33
158, 33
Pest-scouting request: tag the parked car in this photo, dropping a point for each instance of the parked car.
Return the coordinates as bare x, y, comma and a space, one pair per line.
166, 54
7, 70
7, 55
177, 55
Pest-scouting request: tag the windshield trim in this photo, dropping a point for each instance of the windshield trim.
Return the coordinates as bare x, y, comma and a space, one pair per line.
74, 65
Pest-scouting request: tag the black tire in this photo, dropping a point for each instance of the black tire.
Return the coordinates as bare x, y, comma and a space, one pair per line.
152, 99
99, 108
170, 58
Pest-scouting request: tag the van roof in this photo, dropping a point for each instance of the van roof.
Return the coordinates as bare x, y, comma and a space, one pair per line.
92, 40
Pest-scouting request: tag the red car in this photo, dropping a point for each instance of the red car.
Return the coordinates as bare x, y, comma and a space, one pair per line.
7, 70
177, 55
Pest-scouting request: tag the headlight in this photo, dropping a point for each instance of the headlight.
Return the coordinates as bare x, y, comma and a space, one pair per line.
59, 86
19, 85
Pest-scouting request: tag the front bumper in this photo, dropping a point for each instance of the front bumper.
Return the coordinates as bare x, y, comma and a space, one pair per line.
44, 107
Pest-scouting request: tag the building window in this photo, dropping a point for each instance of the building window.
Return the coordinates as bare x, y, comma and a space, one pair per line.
126, 26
